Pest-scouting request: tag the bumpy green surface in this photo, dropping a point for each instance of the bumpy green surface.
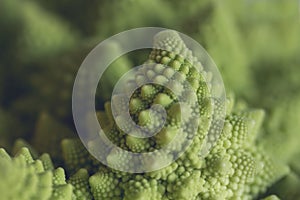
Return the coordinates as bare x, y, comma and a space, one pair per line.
255, 44
236, 167
22, 177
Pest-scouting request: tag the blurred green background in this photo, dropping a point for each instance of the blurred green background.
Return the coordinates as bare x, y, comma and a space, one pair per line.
255, 44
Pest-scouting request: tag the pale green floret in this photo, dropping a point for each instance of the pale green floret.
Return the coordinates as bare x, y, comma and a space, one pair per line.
27, 178
135, 105
219, 164
187, 186
118, 159
20, 143
62, 192
235, 167
145, 118
141, 188
137, 144
80, 182
59, 176
76, 156
25, 153
156, 161
166, 173
47, 162
163, 99
166, 135
148, 92
4, 155
104, 186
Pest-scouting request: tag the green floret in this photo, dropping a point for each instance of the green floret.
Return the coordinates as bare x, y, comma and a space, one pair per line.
105, 186
136, 144
150, 94
240, 167
27, 178
118, 159
186, 186
141, 188
76, 156
256, 51
19, 144
47, 161
166, 173
235, 168
59, 176
80, 182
